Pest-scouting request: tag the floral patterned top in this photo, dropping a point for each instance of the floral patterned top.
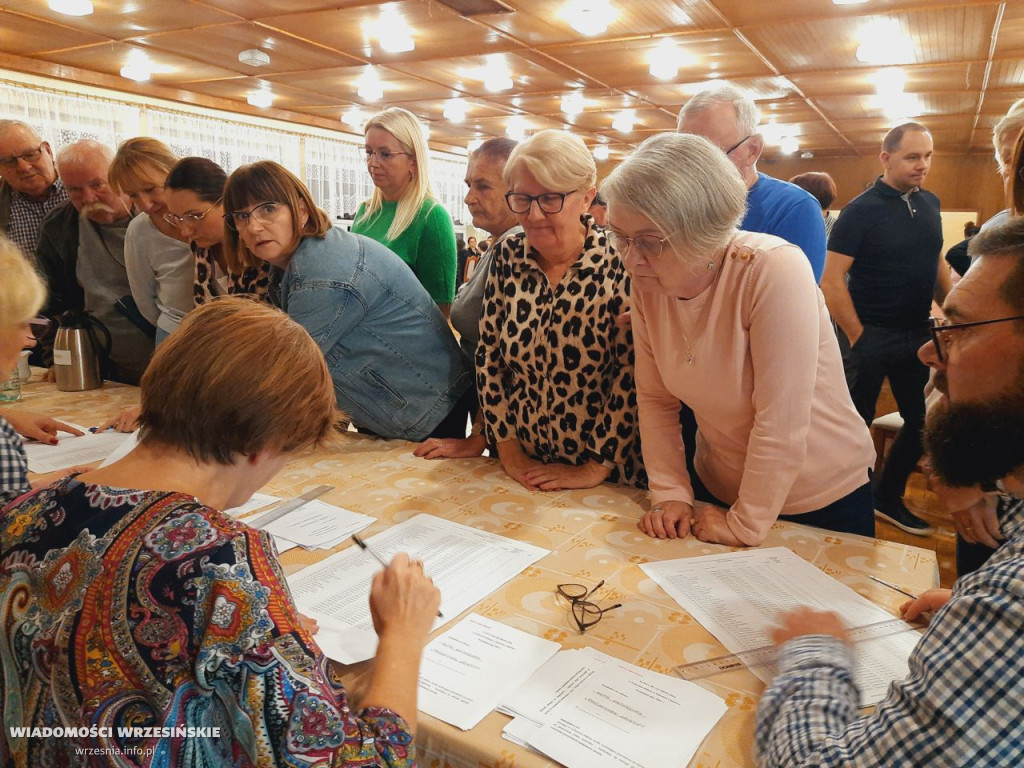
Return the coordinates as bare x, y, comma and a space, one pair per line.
554, 368
139, 613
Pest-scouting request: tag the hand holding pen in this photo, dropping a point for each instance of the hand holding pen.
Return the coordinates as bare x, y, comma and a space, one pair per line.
920, 607
408, 579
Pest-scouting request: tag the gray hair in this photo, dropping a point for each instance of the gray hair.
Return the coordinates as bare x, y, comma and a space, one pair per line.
1008, 127
688, 189
83, 151
496, 149
558, 160
6, 125
747, 116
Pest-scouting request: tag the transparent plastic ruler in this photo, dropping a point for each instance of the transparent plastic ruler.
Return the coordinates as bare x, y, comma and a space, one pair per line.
765, 655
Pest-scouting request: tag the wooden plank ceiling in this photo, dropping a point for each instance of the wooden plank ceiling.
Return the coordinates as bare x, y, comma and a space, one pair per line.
960, 62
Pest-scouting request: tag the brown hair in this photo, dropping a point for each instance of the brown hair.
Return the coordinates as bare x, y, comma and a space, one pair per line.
819, 184
135, 159
894, 137
264, 182
1005, 241
200, 394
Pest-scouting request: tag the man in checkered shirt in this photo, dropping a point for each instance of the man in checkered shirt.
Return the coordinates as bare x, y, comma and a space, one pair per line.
29, 188
963, 702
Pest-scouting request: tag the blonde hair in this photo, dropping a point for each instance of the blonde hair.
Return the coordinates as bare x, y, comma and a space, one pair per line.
22, 291
1009, 126
688, 189
199, 393
403, 125
558, 160
135, 159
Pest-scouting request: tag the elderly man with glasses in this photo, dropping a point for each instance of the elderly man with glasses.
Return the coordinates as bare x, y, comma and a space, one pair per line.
29, 185
960, 704
728, 118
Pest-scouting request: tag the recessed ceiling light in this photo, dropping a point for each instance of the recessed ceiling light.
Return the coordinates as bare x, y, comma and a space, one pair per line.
624, 121
882, 41
573, 103
72, 7
455, 110
138, 68
665, 59
393, 32
262, 98
369, 86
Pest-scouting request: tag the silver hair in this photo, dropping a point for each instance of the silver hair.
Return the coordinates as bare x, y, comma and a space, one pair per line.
747, 116
6, 125
558, 160
688, 189
1009, 126
84, 150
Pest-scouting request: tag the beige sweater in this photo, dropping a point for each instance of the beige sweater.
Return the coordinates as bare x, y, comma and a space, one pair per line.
778, 433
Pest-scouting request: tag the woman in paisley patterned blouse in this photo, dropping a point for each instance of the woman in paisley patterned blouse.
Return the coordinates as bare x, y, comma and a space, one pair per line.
128, 601
554, 367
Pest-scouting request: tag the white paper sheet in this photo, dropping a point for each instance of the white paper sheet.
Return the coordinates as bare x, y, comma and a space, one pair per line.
122, 450
256, 501
737, 596
617, 714
465, 563
72, 450
470, 668
319, 525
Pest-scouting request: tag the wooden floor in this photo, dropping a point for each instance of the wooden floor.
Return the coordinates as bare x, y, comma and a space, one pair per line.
923, 503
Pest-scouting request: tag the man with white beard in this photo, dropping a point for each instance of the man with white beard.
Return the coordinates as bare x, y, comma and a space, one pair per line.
81, 252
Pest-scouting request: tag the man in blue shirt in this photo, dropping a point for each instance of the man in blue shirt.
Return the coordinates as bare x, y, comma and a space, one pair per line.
883, 270
728, 118
961, 703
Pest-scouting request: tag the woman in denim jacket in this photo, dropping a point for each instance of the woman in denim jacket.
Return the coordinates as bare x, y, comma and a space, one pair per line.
398, 371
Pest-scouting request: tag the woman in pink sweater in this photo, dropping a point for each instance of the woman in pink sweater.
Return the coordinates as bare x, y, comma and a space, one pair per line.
732, 324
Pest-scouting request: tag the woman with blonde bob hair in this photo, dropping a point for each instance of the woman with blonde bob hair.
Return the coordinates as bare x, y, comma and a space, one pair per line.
554, 368
184, 610
157, 258
404, 213
731, 324
397, 369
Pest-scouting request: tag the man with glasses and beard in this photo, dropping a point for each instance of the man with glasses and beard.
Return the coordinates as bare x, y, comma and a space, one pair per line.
961, 704
81, 253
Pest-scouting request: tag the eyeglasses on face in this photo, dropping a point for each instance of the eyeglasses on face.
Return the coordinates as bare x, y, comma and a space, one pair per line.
648, 246
942, 335
384, 155
98, 186
585, 613
190, 218
263, 213
29, 157
549, 202
739, 144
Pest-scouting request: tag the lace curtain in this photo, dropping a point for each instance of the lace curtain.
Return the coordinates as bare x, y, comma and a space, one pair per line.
333, 169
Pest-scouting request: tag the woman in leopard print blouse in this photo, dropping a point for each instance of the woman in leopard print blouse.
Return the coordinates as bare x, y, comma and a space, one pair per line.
554, 368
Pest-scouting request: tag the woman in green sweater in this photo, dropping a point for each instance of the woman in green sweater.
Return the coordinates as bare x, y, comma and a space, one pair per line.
403, 213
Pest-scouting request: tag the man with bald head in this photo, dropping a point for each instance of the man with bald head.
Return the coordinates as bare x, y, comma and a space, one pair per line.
81, 252
29, 185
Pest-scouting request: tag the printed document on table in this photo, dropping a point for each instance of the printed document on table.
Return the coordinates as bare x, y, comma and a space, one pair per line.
466, 564
468, 670
623, 715
737, 597
72, 450
256, 501
318, 525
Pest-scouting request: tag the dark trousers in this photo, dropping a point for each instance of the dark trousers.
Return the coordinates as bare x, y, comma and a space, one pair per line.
882, 353
455, 424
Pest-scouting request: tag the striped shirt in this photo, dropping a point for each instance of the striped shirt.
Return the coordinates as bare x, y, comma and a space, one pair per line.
961, 705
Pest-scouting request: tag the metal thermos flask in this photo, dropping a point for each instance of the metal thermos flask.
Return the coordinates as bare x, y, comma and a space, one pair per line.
78, 358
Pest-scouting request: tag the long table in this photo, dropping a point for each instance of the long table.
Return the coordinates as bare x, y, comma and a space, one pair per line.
592, 535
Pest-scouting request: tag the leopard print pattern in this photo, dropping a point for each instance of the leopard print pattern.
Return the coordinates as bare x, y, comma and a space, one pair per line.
255, 281
554, 368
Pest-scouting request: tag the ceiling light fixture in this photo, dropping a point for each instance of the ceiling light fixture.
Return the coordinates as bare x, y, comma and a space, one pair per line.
138, 68
496, 74
354, 118
262, 98
807, 155
254, 57
589, 17
516, 127
601, 152
369, 86
882, 41
72, 7
773, 133
573, 103
624, 121
455, 110
392, 31
790, 145
665, 59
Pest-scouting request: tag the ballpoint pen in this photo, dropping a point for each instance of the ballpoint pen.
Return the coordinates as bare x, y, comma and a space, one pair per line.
362, 545
893, 586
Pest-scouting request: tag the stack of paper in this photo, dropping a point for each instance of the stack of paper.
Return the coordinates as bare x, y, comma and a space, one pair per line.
588, 710
737, 597
468, 670
465, 563
318, 525
72, 450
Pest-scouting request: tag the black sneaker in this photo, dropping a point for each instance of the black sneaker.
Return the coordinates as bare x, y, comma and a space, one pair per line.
896, 512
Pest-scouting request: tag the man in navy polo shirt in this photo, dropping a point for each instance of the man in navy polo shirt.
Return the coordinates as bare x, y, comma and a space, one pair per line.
728, 118
882, 272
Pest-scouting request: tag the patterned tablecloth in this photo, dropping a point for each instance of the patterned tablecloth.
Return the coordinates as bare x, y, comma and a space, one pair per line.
592, 535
